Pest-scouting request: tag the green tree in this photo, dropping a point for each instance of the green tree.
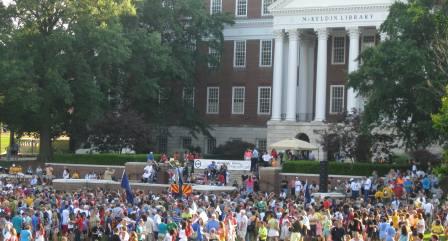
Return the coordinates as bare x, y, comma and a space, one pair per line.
440, 119
400, 78
177, 32
57, 63
165, 52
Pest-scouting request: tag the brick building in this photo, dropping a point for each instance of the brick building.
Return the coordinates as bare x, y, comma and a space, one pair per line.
283, 70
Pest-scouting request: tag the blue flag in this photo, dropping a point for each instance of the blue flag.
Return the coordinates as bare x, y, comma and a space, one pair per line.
125, 185
307, 193
180, 182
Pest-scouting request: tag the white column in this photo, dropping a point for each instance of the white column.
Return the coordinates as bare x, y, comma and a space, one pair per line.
353, 65
321, 74
277, 78
303, 80
383, 36
292, 75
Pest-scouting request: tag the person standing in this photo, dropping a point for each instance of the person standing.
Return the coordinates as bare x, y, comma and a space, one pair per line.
266, 159
355, 187
367, 187
297, 187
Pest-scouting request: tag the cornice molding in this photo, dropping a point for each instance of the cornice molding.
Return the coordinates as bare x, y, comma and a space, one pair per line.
329, 10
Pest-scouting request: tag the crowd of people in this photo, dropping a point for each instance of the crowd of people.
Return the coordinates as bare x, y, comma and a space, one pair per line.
404, 205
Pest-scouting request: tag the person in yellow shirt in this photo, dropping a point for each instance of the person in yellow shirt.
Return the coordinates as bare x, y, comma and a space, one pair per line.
437, 228
379, 195
396, 220
387, 190
29, 201
75, 175
262, 232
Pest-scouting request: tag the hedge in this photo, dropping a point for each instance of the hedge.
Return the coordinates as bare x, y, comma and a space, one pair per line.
356, 169
101, 159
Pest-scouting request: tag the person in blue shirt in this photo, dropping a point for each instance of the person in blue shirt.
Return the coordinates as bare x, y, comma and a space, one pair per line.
382, 228
150, 157
212, 223
408, 186
196, 226
390, 233
17, 223
35, 222
25, 234
426, 184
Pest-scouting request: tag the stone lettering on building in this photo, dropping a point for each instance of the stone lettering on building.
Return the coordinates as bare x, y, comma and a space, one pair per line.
336, 18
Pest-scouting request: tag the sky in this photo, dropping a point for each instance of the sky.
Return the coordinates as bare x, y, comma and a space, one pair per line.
6, 2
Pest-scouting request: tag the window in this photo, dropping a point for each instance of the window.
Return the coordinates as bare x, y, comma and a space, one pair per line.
261, 144
211, 145
264, 100
241, 8
265, 53
368, 41
214, 57
336, 99
186, 142
264, 9
188, 96
163, 95
338, 50
162, 142
239, 54
235, 139
215, 6
212, 100
238, 97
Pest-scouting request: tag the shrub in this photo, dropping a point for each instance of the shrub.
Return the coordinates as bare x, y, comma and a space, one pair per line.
424, 156
100, 159
233, 150
356, 169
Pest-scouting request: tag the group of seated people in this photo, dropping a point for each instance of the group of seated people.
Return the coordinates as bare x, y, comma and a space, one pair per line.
149, 172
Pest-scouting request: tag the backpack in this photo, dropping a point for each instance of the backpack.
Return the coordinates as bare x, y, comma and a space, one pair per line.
251, 227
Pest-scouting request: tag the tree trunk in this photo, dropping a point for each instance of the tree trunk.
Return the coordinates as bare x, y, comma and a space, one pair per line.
45, 149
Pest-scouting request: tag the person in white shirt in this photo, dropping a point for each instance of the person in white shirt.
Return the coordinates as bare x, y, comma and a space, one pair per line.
395, 204
156, 221
298, 187
429, 209
242, 225
355, 186
66, 174
266, 159
149, 228
367, 187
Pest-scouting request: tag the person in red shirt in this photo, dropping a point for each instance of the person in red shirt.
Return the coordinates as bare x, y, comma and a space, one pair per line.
79, 225
398, 191
327, 203
274, 154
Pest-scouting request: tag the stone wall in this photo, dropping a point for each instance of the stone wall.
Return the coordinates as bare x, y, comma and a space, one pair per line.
58, 169
271, 178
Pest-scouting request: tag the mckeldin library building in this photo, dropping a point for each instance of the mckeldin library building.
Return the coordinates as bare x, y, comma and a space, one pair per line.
283, 70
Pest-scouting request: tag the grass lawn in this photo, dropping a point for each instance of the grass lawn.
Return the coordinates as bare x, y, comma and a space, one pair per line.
427, 237
4, 142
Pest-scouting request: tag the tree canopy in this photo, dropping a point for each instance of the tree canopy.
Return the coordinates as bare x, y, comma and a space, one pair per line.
66, 64
401, 78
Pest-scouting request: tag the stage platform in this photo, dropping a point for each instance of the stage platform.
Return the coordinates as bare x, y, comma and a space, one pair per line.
77, 184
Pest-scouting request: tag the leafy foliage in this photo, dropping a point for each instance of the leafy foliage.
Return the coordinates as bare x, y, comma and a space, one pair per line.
116, 131
56, 63
399, 78
382, 147
233, 149
65, 64
342, 139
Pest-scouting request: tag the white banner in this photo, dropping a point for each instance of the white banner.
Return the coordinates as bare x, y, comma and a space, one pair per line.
235, 165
